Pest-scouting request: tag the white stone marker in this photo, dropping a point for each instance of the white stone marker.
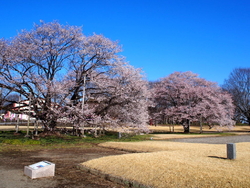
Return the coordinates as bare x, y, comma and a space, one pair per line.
40, 170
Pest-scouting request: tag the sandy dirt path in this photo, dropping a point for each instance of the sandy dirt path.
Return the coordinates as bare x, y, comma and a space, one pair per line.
66, 172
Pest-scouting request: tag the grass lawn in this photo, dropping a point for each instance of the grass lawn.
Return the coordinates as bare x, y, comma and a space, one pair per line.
171, 164
163, 132
196, 129
155, 163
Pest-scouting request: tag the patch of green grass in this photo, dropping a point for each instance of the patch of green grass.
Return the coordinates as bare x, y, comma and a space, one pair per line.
21, 142
242, 124
113, 137
8, 139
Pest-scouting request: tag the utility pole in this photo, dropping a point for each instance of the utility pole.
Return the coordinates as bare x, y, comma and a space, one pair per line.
83, 90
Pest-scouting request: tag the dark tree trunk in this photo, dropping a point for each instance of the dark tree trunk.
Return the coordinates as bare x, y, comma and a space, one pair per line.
186, 126
201, 128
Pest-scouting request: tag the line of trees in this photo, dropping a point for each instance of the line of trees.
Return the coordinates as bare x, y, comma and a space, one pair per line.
85, 81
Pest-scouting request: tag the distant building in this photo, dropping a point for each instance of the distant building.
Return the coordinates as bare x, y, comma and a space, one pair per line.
20, 109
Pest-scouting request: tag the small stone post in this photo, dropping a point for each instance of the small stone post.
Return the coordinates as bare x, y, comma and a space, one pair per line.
119, 135
231, 151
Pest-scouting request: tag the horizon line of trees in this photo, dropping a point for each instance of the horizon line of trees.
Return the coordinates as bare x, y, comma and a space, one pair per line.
87, 78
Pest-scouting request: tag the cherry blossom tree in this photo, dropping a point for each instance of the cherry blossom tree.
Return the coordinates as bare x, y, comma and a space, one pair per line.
122, 95
185, 98
73, 78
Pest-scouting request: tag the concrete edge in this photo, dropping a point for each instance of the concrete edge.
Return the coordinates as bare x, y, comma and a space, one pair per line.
116, 179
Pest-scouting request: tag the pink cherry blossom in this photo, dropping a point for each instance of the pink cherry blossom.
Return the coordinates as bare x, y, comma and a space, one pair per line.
183, 97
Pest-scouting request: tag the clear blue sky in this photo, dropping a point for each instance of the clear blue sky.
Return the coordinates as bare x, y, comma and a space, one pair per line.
207, 37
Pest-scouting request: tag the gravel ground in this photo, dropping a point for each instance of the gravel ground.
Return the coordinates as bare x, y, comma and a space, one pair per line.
216, 140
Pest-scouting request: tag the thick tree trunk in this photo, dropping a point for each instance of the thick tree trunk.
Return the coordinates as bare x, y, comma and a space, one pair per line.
186, 126
49, 125
201, 130
52, 124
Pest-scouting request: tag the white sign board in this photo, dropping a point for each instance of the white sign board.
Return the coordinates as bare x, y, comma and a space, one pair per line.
39, 165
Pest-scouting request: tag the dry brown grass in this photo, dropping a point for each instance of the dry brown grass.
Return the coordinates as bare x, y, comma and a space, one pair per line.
239, 130
171, 164
172, 136
196, 129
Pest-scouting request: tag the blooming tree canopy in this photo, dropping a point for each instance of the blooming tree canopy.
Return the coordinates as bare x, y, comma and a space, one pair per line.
73, 78
183, 97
